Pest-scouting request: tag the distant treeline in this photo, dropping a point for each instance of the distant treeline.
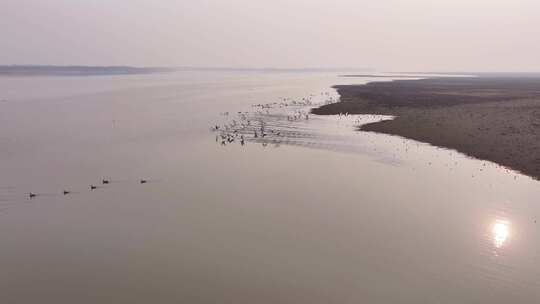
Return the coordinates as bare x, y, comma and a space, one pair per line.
52, 70
49, 70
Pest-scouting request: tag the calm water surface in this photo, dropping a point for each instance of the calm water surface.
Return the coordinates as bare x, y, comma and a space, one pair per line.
322, 214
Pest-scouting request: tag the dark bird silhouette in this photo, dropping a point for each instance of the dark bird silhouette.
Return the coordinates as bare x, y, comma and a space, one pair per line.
105, 181
143, 181
66, 192
92, 187
32, 195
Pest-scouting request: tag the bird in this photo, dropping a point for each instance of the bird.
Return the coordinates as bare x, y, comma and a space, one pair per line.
143, 181
66, 192
92, 187
105, 181
32, 195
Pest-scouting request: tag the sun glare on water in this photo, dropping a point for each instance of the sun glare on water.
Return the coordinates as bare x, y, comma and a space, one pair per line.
501, 232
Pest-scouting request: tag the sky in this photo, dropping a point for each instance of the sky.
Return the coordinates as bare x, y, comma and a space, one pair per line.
386, 35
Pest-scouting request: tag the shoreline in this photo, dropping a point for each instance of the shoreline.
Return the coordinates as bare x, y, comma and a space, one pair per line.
489, 118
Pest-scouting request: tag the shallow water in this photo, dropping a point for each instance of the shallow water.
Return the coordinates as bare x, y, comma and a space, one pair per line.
318, 214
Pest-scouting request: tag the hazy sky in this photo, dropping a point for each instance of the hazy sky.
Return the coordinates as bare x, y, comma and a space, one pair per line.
436, 35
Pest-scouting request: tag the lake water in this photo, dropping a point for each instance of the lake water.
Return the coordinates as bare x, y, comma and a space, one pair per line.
320, 213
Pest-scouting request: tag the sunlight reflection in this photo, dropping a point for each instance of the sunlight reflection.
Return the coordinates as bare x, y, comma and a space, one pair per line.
501, 232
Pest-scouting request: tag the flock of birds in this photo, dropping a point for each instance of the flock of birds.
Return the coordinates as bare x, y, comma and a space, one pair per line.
92, 187
247, 126
265, 125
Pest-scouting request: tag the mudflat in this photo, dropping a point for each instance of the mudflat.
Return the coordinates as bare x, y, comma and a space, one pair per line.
495, 118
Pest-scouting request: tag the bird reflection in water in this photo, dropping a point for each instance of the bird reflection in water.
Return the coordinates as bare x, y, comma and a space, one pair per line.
501, 232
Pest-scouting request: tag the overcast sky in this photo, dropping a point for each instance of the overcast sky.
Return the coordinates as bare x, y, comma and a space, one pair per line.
391, 35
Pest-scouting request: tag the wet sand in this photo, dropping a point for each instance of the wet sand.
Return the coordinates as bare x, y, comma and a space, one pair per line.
489, 118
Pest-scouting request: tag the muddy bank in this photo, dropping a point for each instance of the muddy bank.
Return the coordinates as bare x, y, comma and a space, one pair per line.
490, 118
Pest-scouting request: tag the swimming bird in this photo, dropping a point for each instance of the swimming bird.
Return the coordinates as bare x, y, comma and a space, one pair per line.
143, 181
32, 195
66, 192
105, 181
92, 187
